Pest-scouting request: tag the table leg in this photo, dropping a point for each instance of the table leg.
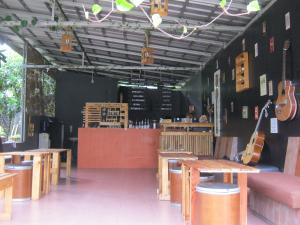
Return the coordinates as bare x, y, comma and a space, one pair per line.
165, 195
8, 192
69, 163
228, 178
242, 182
2, 164
46, 175
55, 168
194, 181
36, 177
185, 192
27, 157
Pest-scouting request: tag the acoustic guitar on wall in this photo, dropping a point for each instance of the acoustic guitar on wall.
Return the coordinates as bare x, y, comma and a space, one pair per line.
286, 104
253, 150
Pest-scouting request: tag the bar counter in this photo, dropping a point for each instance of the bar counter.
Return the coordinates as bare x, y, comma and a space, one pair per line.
117, 148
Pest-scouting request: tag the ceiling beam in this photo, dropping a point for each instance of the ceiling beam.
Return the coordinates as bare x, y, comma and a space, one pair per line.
118, 24
138, 54
133, 43
111, 67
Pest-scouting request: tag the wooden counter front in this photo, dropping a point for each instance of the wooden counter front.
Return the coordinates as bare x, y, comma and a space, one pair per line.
117, 148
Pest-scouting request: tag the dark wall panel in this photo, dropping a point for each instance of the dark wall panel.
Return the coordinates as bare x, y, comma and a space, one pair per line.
266, 63
73, 90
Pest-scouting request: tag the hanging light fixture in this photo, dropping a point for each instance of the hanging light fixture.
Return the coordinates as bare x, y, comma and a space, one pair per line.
159, 7
147, 53
66, 42
92, 80
156, 20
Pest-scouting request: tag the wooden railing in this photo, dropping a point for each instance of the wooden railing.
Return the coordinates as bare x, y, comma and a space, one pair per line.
199, 143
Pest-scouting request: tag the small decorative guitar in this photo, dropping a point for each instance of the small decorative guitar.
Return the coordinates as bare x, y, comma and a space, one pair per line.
255, 146
286, 104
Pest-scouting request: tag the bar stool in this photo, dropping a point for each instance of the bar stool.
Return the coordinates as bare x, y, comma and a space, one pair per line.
216, 203
22, 181
30, 163
173, 163
176, 185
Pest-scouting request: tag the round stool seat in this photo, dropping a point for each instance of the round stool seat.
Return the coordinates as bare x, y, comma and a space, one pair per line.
266, 168
176, 170
175, 185
27, 162
22, 181
217, 203
206, 177
172, 163
218, 188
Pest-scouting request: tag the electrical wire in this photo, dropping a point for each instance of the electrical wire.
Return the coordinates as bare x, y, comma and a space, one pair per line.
225, 10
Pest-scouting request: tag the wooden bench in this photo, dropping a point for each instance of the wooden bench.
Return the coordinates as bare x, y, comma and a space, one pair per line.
276, 196
40, 181
56, 163
6, 182
163, 168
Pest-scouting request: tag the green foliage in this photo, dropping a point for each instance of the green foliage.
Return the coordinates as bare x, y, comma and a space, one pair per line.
223, 3
253, 6
24, 23
96, 9
11, 82
34, 21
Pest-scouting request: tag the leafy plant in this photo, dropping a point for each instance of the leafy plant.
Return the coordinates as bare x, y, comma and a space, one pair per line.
11, 82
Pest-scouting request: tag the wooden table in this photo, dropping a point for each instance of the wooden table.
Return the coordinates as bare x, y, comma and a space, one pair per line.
163, 169
56, 164
6, 182
37, 177
191, 178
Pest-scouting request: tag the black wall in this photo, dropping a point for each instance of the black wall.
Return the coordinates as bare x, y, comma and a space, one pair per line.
266, 63
193, 92
73, 90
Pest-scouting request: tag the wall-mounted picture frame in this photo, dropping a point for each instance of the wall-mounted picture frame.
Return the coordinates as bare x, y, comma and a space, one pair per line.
245, 112
263, 85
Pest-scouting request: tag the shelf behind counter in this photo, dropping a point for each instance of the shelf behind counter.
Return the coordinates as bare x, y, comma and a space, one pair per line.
117, 148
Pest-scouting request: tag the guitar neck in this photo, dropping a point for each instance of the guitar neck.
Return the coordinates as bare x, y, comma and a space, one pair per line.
261, 115
283, 68
284, 54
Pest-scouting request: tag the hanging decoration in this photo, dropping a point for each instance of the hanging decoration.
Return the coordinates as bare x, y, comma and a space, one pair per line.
159, 7
66, 42
147, 53
124, 5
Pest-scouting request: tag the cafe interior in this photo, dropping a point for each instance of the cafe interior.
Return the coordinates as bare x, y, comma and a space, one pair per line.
149, 112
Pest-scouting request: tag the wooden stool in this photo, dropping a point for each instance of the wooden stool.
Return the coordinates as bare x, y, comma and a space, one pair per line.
173, 163
216, 203
175, 185
30, 163
22, 182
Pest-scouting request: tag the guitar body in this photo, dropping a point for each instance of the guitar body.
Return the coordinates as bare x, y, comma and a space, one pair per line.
254, 148
286, 104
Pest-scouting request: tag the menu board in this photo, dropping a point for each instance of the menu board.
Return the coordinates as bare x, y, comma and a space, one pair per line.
166, 99
137, 99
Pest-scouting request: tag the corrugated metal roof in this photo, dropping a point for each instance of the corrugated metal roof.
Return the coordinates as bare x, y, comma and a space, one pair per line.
118, 46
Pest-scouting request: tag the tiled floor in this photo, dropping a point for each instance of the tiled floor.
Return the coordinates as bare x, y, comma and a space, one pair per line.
102, 197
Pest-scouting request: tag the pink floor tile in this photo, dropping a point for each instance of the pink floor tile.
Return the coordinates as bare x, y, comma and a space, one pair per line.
102, 197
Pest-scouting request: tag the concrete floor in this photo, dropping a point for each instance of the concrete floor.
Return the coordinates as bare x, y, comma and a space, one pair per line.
102, 197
